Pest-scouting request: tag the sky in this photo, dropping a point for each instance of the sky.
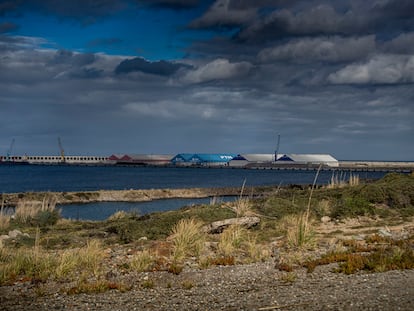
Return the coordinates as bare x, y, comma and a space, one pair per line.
175, 76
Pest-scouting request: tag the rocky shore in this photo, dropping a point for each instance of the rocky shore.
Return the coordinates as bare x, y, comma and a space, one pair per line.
357, 255
257, 286
244, 287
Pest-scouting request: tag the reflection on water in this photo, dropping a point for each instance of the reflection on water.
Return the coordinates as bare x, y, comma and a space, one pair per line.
103, 210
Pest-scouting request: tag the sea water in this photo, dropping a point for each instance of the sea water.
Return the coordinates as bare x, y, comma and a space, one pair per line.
103, 210
27, 178
90, 178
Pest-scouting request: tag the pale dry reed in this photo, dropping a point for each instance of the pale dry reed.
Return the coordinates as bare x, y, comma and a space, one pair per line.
26, 210
340, 180
142, 261
4, 219
187, 238
231, 239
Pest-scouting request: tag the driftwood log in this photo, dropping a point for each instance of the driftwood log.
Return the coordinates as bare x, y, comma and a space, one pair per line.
219, 226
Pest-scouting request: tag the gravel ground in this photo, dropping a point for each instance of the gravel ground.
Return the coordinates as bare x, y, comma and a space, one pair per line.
244, 287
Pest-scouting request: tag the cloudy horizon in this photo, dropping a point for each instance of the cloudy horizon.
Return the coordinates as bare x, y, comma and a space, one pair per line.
172, 76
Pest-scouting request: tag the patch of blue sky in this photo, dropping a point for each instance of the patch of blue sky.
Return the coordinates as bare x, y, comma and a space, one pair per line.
152, 34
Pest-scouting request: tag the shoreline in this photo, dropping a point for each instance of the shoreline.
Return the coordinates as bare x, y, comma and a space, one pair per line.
346, 165
131, 195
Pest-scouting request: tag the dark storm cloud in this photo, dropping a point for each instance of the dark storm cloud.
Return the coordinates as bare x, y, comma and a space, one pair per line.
235, 13
71, 58
400, 9
320, 20
223, 14
218, 69
8, 6
329, 76
326, 49
86, 73
402, 44
85, 11
162, 68
356, 18
8, 27
171, 4
11, 43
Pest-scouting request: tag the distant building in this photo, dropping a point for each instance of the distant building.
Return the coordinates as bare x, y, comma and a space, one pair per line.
324, 159
182, 159
141, 159
70, 159
202, 159
243, 160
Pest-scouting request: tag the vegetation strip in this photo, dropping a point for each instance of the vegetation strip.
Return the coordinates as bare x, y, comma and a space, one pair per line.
37, 246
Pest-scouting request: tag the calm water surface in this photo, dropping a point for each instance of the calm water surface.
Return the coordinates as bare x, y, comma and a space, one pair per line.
102, 210
89, 178
85, 178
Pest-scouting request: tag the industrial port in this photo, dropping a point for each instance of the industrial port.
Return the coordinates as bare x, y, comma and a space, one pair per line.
274, 160
248, 161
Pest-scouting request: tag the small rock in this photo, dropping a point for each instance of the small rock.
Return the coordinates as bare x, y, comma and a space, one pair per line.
384, 232
325, 219
14, 233
360, 237
4, 237
219, 226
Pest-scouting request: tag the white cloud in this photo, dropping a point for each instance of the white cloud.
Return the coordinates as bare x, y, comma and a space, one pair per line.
380, 69
219, 69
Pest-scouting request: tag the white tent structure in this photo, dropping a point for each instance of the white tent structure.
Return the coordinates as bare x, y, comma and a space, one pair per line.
324, 159
242, 160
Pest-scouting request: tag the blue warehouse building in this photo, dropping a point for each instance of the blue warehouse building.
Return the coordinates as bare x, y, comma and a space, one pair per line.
202, 159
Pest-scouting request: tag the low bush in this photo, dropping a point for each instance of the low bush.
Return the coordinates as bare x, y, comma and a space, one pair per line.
395, 255
352, 207
36, 264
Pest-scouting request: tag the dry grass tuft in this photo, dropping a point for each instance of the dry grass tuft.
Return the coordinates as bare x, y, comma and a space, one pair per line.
28, 210
340, 180
118, 215
231, 239
143, 261
242, 206
207, 262
187, 239
4, 219
36, 264
288, 277
299, 231
256, 252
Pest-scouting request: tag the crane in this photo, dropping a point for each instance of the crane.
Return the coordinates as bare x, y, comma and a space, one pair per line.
62, 152
277, 147
9, 152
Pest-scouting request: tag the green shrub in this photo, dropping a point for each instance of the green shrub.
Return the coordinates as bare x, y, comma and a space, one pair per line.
46, 218
352, 207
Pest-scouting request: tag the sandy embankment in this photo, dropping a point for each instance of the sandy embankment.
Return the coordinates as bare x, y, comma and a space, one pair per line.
11, 199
